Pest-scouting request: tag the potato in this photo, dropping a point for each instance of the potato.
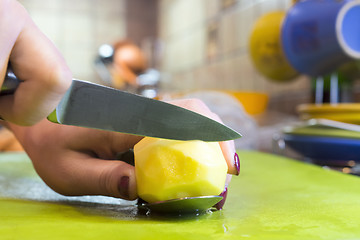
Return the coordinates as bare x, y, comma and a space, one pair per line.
169, 169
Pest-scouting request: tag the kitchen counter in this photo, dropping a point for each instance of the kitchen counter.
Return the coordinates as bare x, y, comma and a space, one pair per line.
273, 198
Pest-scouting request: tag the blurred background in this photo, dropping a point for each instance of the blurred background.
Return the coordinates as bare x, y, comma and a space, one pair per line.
194, 44
271, 69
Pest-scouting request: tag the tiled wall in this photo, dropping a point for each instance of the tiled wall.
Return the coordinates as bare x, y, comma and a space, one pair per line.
206, 46
79, 27
205, 42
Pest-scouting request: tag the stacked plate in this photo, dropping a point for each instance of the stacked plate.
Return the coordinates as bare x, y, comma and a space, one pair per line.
324, 139
342, 112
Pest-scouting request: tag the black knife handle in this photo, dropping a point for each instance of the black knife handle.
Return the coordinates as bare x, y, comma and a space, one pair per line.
10, 84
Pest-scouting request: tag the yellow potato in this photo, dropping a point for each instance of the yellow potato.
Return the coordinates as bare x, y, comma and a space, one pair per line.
169, 169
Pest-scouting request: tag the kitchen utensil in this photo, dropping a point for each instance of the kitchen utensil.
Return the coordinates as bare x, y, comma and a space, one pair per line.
323, 147
91, 105
324, 139
319, 36
324, 125
341, 112
266, 51
253, 102
182, 205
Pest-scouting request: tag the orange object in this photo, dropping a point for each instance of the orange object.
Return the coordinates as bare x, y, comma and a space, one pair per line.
253, 102
8, 142
129, 61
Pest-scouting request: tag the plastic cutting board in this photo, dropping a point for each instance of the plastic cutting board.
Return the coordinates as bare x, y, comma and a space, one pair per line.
273, 198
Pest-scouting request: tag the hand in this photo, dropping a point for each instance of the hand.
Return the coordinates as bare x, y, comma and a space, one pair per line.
227, 147
76, 161
36, 61
81, 161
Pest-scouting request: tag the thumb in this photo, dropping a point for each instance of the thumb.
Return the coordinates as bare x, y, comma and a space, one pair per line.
81, 175
118, 180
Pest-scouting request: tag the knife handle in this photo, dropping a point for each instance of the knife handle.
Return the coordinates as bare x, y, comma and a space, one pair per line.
11, 82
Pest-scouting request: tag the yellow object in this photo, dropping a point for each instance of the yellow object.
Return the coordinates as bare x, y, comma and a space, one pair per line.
253, 102
169, 169
342, 112
266, 49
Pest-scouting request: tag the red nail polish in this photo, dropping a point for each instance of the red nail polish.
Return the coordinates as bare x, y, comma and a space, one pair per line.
123, 186
237, 163
220, 204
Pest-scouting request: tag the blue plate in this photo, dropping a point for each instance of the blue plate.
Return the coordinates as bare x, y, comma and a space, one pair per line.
326, 148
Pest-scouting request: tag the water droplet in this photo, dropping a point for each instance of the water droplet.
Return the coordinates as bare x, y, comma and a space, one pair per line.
225, 228
208, 211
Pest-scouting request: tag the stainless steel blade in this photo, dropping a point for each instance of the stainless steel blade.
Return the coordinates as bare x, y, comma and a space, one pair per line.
182, 205
95, 106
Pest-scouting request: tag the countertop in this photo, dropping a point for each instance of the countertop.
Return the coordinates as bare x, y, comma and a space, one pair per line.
273, 198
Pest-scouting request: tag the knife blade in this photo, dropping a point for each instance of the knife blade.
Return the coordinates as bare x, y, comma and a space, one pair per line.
91, 105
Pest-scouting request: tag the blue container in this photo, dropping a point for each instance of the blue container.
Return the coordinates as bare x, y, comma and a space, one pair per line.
324, 148
319, 35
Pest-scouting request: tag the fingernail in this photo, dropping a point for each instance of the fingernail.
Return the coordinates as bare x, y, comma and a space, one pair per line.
237, 163
124, 186
220, 204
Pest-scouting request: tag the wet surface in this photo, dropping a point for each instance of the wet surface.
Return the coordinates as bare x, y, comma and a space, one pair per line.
273, 198
18, 180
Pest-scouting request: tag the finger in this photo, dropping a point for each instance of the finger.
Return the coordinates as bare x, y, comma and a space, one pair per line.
37, 62
95, 172
104, 144
79, 174
223, 194
227, 147
79, 161
231, 157
10, 30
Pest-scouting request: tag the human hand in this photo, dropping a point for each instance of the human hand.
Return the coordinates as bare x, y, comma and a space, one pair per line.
36, 61
81, 161
76, 161
227, 147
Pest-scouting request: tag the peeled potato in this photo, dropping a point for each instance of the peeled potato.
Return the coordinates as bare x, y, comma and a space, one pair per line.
169, 169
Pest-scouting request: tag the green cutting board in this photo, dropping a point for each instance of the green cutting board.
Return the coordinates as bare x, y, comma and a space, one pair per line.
273, 198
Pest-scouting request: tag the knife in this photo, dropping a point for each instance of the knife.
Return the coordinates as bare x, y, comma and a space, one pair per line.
91, 105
